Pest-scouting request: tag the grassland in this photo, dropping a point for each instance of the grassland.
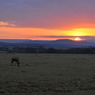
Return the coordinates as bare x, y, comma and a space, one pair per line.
47, 74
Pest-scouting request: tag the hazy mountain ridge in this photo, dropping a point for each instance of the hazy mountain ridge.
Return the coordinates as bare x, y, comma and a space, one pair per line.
60, 43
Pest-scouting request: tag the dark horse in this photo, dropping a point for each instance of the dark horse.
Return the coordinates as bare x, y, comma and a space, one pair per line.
15, 59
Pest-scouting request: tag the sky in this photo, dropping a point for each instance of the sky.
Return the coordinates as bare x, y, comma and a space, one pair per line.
47, 19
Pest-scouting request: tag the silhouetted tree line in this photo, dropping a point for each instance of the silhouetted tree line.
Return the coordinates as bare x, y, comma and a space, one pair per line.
89, 50
80, 51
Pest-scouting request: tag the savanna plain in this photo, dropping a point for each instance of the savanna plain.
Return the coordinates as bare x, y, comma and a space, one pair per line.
47, 74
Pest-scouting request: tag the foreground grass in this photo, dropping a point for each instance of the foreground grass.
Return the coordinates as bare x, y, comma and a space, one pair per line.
48, 74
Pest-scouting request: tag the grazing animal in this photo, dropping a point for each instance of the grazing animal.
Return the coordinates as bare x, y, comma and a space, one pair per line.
16, 60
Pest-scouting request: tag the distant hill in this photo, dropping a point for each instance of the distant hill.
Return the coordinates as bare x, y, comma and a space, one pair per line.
60, 43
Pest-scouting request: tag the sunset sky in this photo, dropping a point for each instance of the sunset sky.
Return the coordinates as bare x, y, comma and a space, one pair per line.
47, 19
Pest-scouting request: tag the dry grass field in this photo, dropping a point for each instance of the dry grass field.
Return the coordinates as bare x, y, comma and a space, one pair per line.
47, 74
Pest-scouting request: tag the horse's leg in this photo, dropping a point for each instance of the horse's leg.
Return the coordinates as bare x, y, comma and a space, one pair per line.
18, 63
12, 62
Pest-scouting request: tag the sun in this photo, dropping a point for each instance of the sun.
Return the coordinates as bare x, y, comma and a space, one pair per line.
77, 39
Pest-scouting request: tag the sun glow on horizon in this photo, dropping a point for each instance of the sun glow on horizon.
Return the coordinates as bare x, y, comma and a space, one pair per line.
45, 34
77, 39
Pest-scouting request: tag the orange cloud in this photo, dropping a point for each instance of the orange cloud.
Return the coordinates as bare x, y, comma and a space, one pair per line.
6, 24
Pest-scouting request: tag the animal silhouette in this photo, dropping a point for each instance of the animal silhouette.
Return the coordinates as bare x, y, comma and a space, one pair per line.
16, 60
